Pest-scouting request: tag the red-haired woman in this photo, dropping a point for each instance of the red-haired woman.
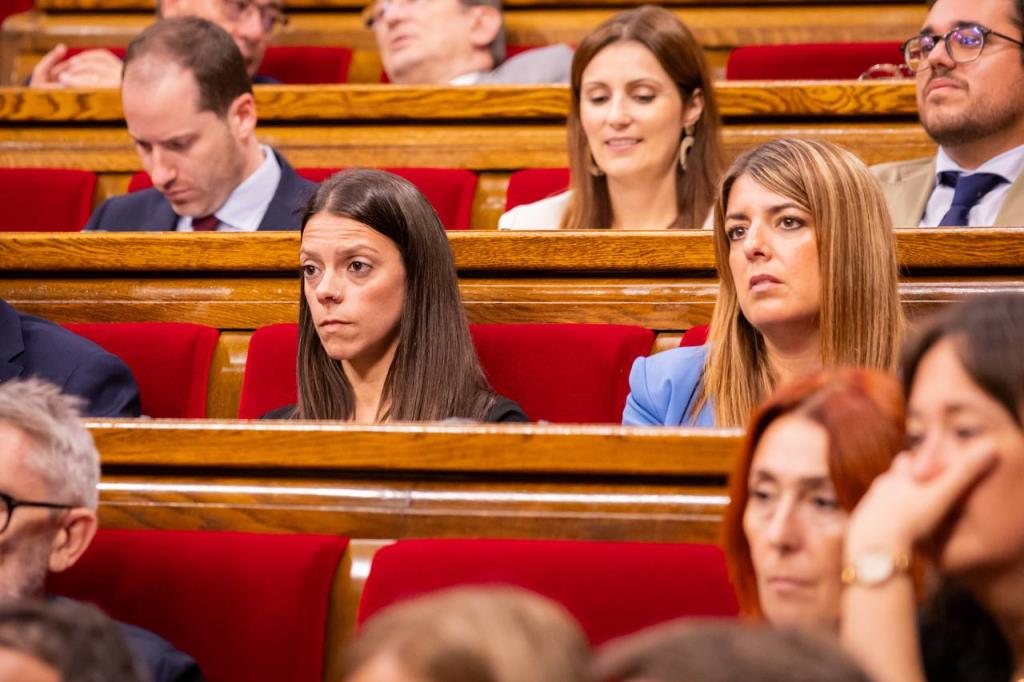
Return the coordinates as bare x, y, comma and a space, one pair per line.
811, 452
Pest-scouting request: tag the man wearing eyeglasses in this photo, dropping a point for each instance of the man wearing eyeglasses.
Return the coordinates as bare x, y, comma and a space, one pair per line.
49, 473
458, 42
251, 23
970, 98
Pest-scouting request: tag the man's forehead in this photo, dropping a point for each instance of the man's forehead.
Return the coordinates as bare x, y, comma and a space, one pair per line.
156, 79
947, 14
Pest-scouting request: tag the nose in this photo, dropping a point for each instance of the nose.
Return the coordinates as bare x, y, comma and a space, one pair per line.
939, 57
162, 170
393, 12
249, 28
755, 242
929, 456
330, 289
784, 526
620, 113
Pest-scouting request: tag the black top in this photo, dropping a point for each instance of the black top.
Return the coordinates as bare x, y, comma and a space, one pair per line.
503, 410
959, 640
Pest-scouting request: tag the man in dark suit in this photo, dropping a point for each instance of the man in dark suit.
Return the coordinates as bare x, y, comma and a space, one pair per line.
49, 478
31, 346
189, 108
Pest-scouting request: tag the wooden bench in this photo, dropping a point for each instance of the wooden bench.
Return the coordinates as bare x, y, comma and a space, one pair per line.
237, 283
491, 130
718, 26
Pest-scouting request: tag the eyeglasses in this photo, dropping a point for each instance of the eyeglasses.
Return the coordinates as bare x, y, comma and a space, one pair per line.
963, 44
8, 504
271, 16
375, 12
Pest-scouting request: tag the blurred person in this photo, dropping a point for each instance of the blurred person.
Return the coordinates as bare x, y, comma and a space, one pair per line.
645, 149
808, 280
190, 110
469, 634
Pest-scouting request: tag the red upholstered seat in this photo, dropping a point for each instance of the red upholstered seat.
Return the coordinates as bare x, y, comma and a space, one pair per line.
613, 589
304, 64
248, 607
449, 190
45, 199
13, 7
809, 61
695, 336
170, 361
569, 373
533, 184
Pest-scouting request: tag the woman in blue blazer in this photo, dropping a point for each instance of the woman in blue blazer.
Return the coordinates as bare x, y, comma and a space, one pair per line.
808, 279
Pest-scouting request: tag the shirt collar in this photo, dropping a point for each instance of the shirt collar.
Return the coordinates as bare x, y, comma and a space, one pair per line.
470, 78
248, 203
1009, 164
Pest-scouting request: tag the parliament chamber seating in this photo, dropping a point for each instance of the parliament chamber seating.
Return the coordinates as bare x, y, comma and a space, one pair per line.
812, 61
246, 606
45, 199
612, 589
533, 184
695, 336
170, 360
563, 373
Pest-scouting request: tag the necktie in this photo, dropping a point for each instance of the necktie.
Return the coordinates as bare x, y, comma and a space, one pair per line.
967, 192
207, 223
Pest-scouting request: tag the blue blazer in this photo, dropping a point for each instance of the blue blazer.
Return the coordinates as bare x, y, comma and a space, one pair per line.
663, 388
149, 211
31, 346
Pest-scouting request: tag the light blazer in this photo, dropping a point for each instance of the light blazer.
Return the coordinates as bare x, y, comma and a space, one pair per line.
907, 186
663, 388
149, 210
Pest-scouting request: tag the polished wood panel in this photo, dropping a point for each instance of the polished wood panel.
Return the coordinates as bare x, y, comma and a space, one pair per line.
148, 5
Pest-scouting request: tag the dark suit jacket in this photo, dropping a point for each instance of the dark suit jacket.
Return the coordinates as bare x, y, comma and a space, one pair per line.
158, 657
31, 346
149, 211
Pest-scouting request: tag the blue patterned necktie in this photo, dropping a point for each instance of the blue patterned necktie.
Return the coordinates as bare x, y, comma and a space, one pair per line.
967, 192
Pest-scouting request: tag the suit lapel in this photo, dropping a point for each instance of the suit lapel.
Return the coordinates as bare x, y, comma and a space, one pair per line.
282, 209
914, 187
12, 344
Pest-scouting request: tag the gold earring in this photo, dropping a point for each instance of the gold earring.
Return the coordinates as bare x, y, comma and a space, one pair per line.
592, 166
685, 146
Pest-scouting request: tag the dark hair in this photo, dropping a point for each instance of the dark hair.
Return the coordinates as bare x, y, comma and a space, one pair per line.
202, 48
435, 373
75, 639
724, 651
986, 332
682, 57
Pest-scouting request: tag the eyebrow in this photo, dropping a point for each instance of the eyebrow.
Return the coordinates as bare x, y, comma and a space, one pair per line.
810, 482
950, 410
344, 250
183, 137
629, 84
774, 210
959, 23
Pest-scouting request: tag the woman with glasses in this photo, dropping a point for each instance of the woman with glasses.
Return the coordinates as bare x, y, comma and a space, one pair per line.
644, 144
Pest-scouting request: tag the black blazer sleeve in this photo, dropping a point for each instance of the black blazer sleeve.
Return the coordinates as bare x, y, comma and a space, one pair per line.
505, 410
107, 383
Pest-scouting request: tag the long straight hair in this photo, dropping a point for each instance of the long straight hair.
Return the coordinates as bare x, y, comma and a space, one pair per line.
679, 53
435, 373
860, 320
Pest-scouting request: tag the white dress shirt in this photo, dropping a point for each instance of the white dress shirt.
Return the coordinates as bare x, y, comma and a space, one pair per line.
1009, 164
245, 207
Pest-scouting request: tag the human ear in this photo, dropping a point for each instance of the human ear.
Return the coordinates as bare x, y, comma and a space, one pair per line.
242, 115
694, 108
486, 22
78, 526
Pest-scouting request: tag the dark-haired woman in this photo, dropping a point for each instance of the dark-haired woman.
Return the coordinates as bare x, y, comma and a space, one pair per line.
382, 332
645, 150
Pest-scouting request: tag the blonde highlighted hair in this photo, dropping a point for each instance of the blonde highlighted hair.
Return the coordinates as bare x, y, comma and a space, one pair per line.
860, 321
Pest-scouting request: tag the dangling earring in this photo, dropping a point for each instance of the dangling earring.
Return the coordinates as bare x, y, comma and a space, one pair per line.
592, 166
685, 145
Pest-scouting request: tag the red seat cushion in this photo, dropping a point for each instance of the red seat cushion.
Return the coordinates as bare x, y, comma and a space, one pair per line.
533, 184
304, 64
45, 199
611, 588
170, 361
245, 606
13, 7
569, 373
809, 61
695, 336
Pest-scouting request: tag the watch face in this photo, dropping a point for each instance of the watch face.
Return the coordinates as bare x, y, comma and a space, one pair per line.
874, 568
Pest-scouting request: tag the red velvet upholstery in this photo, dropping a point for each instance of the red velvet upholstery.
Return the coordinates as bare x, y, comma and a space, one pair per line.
170, 361
809, 61
72, 51
310, 65
246, 606
613, 589
533, 184
9, 7
569, 373
695, 336
45, 199
269, 380
449, 190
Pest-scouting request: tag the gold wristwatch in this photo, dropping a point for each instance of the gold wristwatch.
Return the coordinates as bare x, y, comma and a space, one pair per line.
875, 567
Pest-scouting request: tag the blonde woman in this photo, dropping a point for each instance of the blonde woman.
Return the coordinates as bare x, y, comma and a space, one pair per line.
807, 261
644, 145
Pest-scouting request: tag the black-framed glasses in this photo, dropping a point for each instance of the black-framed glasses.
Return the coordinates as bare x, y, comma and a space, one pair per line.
8, 504
963, 44
271, 16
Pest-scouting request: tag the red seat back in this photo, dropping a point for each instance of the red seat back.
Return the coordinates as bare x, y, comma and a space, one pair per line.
309, 65
14, 7
569, 373
809, 61
246, 606
611, 588
45, 199
170, 361
533, 184
695, 336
